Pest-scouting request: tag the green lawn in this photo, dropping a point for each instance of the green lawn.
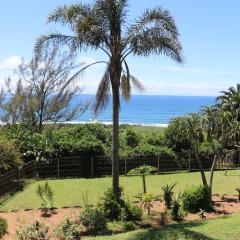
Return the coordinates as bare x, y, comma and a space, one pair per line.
227, 228
69, 192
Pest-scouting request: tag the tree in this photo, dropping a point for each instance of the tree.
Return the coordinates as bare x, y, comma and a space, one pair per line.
202, 131
229, 107
229, 104
143, 171
103, 25
44, 91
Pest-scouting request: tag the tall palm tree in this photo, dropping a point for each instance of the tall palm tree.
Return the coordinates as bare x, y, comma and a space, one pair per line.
103, 25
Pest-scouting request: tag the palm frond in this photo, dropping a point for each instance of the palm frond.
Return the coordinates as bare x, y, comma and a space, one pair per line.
125, 87
103, 93
68, 15
155, 33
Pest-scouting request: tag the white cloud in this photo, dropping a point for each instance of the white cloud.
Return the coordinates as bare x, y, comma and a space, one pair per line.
10, 62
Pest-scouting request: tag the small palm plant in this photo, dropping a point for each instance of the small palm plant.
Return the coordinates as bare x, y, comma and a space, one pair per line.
46, 195
168, 194
143, 171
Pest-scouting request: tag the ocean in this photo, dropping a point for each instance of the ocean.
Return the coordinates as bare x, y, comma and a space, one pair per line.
148, 110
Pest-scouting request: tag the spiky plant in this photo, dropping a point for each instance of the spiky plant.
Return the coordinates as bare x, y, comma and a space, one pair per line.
168, 194
103, 25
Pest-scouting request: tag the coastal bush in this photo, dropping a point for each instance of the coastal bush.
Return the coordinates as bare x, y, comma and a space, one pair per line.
132, 139
3, 227
196, 198
68, 230
10, 155
36, 231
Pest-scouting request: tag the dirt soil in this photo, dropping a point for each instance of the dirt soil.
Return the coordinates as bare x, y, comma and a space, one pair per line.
224, 205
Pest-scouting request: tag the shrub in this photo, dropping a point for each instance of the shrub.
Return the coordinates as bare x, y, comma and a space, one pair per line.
133, 212
111, 205
196, 198
3, 227
9, 154
68, 230
129, 226
168, 194
116, 209
35, 231
121, 226
94, 220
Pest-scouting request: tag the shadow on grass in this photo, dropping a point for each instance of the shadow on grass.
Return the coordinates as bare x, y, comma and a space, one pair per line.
17, 187
180, 231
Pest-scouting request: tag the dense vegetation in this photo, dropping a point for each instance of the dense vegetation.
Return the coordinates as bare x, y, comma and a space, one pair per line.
200, 136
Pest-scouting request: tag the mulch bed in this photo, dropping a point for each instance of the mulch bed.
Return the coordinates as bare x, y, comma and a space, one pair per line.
223, 205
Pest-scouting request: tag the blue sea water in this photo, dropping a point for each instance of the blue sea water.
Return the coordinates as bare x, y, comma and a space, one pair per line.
149, 110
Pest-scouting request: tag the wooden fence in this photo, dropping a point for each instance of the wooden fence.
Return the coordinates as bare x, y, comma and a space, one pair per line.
80, 167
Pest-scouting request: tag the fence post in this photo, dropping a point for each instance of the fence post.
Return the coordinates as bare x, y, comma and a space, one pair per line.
125, 165
58, 168
158, 163
92, 167
189, 164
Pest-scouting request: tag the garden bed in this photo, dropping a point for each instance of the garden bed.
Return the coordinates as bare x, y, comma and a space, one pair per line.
223, 205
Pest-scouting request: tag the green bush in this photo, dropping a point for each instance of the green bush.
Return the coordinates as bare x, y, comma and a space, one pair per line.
3, 227
120, 226
35, 231
196, 198
116, 209
129, 226
9, 154
68, 230
132, 213
111, 205
94, 220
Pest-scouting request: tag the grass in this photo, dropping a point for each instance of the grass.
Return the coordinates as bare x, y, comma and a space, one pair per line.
69, 192
226, 228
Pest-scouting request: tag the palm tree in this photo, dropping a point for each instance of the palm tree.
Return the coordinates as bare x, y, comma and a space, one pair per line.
230, 101
103, 25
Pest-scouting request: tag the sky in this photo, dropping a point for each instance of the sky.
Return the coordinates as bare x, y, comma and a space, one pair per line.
210, 35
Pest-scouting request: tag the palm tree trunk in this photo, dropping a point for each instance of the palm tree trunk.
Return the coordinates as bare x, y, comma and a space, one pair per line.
212, 173
204, 180
144, 184
115, 140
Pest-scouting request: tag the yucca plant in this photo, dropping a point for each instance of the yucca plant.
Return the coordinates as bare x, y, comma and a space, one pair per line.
175, 208
168, 194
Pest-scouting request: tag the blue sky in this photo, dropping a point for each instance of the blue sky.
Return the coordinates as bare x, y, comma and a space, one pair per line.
210, 35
